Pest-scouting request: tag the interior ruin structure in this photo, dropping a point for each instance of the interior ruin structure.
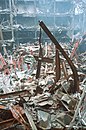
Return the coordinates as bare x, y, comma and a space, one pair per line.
42, 64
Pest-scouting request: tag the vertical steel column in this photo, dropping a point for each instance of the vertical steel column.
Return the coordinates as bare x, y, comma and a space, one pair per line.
40, 57
58, 69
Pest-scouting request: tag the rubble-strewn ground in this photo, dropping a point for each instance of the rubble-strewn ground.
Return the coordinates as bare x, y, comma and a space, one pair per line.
39, 103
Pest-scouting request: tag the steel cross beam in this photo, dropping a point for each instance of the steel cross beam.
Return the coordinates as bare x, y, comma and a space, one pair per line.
75, 75
44, 59
15, 94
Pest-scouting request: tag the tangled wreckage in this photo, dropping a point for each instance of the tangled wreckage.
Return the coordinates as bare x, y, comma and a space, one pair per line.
42, 88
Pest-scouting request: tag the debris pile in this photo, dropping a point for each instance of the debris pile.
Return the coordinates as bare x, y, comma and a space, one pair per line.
41, 88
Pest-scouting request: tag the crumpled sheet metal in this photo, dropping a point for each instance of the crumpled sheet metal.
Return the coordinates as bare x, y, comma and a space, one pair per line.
44, 119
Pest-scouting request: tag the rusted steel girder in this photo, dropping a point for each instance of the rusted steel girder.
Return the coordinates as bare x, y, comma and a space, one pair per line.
18, 114
74, 50
75, 75
7, 123
12, 94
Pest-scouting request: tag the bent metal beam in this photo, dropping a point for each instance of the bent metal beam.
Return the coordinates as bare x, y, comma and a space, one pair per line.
75, 75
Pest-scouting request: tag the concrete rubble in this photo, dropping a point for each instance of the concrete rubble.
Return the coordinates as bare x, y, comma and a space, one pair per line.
32, 102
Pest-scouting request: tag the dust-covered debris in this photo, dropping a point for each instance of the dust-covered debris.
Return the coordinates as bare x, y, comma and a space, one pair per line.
40, 101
